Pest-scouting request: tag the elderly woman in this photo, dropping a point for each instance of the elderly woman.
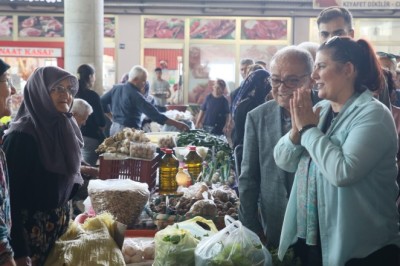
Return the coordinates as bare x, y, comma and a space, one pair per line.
43, 146
81, 110
342, 208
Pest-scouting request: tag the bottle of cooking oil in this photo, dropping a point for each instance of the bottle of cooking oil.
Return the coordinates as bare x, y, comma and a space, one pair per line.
193, 162
168, 170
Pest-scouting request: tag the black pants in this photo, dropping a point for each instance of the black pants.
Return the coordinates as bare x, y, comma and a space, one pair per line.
308, 255
312, 256
388, 256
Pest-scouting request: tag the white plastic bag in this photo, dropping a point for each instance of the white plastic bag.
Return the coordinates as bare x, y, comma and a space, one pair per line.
235, 245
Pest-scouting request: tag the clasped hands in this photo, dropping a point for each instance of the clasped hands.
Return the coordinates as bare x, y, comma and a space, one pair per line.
302, 113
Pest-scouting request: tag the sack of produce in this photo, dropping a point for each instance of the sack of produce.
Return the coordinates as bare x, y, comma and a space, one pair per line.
91, 243
174, 247
235, 245
123, 198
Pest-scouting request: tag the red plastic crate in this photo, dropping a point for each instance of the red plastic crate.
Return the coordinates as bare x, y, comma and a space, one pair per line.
144, 171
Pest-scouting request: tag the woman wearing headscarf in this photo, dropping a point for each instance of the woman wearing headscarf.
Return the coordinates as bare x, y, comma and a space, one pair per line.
6, 252
43, 146
250, 95
92, 130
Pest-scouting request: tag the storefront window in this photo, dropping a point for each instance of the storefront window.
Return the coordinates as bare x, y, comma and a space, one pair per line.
206, 63
259, 52
212, 48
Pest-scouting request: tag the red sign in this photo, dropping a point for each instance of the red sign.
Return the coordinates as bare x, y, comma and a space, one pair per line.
30, 52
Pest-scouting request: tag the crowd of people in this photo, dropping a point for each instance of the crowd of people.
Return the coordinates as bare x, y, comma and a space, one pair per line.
315, 135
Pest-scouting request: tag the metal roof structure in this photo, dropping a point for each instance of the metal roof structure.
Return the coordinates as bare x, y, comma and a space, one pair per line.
257, 8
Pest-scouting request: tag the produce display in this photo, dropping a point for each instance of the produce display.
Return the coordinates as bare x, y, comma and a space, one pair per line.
197, 200
218, 166
166, 142
128, 142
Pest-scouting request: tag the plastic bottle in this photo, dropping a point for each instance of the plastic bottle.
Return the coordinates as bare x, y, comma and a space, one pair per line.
183, 178
193, 162
168, 170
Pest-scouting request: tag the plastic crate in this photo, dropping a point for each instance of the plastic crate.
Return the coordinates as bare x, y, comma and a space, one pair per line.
144, 171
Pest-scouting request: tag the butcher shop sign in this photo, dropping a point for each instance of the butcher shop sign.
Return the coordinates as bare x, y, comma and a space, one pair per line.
358, 4
30, 52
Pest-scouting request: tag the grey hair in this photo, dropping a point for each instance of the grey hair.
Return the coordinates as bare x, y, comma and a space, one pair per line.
137, 71
296, 53
81, 107
311, 47
247, 61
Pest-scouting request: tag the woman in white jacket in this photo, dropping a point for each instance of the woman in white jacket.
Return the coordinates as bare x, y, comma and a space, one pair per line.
342, 208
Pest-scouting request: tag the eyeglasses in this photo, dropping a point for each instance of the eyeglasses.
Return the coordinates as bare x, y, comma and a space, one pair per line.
8, 81
292, 82
60, 89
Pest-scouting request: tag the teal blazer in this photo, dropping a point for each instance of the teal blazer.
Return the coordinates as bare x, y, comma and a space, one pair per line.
356, 180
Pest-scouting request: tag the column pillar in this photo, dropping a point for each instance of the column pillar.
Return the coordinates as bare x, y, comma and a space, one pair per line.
84, 29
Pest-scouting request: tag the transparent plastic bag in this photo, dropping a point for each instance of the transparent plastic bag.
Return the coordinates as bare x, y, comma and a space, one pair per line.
174, 247
123, 198
199, 227
235, 245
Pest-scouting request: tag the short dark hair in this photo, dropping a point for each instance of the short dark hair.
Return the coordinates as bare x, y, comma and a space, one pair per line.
221, 83
158, 69
333, 12
260, 62
247, 61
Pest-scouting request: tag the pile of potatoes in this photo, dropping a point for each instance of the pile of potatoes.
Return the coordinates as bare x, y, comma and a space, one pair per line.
199, 200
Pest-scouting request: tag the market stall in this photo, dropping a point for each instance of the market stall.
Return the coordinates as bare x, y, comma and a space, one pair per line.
194, 223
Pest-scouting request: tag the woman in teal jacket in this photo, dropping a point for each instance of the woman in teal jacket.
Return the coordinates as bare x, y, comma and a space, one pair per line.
342, 209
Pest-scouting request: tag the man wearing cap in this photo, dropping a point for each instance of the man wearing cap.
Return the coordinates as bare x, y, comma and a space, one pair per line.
160, 89
6, 252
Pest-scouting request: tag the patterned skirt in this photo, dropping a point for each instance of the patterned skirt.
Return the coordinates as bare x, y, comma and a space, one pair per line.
43, 228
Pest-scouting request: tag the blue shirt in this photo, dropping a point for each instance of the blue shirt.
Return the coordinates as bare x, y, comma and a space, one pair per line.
216, 110
127, 104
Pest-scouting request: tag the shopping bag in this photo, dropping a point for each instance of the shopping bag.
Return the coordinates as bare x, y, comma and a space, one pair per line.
235, 245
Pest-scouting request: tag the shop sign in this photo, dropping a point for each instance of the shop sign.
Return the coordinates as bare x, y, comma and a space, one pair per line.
30, 51
358, 4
